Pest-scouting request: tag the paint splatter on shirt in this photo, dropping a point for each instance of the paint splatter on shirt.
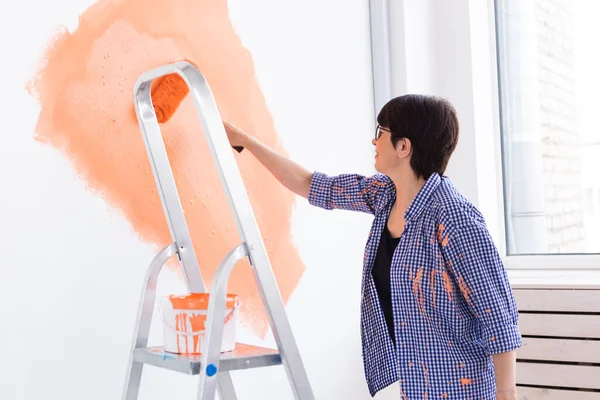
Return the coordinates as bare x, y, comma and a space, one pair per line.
452, 302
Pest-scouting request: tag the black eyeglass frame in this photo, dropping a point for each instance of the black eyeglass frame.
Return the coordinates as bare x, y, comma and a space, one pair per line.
378, 131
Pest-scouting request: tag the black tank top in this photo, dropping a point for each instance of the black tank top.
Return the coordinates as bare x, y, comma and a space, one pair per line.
381, 276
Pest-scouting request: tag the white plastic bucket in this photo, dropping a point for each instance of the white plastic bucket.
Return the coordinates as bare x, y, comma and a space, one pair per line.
184, 318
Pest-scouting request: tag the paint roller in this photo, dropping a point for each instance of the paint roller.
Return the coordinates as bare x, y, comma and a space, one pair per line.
167, 95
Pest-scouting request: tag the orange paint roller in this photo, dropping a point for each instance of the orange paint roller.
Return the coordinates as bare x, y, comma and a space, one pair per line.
167, 95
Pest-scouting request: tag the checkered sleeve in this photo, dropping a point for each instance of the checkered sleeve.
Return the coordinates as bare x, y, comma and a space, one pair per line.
347, 191
473, 259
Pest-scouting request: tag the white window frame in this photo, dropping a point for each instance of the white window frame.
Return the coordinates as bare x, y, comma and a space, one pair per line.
449, 49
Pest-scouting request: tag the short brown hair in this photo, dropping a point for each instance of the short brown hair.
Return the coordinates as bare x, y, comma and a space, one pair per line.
431, 125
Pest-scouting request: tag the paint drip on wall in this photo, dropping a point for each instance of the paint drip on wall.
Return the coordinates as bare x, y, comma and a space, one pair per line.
85, 89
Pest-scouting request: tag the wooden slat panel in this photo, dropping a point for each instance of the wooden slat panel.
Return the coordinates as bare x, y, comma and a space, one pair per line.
558, 300
558, 375
587, 351
561, 325
526, 393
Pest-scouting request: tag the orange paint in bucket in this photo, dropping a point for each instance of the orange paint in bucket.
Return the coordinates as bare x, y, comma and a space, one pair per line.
184, 320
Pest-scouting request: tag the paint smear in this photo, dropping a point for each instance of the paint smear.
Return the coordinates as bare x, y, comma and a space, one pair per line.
85, 89
402, 393
466, 381
418, 291
440, 236
432, 286
197, 321
179, 327
447, 285
426, 373
466, 291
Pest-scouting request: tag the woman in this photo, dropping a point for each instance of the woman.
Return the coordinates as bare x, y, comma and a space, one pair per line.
437, 313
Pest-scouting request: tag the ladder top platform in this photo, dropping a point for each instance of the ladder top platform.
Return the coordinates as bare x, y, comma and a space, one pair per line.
243, 357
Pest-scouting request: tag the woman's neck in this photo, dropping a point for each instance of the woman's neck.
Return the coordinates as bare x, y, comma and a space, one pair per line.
407, 186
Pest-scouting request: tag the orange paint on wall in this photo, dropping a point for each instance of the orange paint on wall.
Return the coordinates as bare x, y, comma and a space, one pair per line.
84, 87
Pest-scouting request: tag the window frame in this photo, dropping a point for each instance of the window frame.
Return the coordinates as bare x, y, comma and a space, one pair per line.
549, 261
483, 132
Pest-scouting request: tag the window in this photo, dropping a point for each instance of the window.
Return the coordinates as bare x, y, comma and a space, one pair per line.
549, 85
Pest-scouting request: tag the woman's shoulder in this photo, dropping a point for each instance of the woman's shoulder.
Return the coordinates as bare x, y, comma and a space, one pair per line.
380, 179
452, 207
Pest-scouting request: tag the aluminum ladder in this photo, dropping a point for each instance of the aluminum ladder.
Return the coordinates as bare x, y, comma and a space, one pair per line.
212, 367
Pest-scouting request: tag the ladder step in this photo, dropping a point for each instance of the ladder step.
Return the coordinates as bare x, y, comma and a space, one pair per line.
242, 357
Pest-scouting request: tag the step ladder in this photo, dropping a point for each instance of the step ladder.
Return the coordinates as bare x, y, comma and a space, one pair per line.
212, 367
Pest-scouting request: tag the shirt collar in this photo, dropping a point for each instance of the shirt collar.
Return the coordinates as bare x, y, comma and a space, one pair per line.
422, 198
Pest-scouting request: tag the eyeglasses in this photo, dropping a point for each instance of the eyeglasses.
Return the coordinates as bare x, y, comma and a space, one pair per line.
378, 132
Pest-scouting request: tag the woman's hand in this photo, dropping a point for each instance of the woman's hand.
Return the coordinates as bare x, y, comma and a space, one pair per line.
236, 136
506, 393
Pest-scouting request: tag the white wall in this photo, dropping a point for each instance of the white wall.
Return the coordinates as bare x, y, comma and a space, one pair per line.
72, 267
447, 49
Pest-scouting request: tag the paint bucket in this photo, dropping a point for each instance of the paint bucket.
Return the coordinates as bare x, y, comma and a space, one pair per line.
184, 318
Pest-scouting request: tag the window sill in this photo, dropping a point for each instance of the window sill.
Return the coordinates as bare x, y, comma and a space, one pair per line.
554, 271
554, 279
588, 262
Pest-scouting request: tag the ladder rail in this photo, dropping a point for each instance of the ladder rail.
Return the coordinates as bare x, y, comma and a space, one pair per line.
144, 320
237, 198
247, 226
169, 196
211, 351
166, 186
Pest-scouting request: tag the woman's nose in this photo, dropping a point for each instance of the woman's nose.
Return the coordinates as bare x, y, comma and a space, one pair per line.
373, 141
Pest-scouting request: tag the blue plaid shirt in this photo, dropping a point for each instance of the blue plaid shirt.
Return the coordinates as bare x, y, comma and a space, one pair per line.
452, 303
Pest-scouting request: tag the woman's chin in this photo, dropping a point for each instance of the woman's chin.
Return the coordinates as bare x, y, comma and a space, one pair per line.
377, 167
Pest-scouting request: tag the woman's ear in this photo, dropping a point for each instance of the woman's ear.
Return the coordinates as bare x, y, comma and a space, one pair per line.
404, 148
